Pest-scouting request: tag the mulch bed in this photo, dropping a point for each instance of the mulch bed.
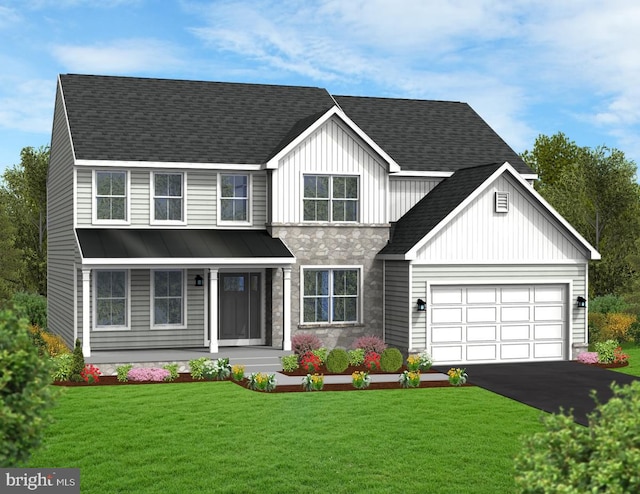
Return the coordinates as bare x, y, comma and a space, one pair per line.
608, 366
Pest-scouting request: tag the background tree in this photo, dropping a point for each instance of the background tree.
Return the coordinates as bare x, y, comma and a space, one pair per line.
597, 192
24, 196
11, 264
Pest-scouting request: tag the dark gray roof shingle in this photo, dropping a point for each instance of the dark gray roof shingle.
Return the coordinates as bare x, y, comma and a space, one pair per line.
115, 243
429, 135
435, 206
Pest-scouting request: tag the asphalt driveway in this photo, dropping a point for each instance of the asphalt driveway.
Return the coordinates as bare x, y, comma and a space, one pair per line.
548, 386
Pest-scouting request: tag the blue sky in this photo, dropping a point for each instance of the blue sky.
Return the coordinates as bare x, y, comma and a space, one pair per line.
528, 67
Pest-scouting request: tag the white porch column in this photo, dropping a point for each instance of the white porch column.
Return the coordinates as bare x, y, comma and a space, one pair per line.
286, 309
86, 312
213, 310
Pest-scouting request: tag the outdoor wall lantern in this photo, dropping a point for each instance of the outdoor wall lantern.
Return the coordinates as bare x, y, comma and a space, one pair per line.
582, 302
199, 280
422, 306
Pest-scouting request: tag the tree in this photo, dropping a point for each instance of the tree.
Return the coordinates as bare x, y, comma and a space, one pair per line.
12, 261
596, 191
24, 195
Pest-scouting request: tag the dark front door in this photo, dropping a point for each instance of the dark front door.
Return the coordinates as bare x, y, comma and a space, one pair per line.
240, 309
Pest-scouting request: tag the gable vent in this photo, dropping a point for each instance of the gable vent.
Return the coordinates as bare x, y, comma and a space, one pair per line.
502, 202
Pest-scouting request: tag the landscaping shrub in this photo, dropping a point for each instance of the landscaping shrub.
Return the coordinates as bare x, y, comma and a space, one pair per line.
173, 371
310, 362
302, 343
61, 367
356, 357
90, 374
570, 458
587, 357
606, 304
49, 344
148, 374
321, 353
218, 369
391, 360
372, 361
197, 367
25, 393
122, 372
38, 341
617, 326
596, 326
606, 351
77, 366
289, 363
32, 307
370, 343
337, 360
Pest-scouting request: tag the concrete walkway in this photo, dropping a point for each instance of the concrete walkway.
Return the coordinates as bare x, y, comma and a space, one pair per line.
284, 380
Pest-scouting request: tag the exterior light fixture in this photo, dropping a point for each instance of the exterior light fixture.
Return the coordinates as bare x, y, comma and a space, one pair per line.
199, 280
422, 306
582, 302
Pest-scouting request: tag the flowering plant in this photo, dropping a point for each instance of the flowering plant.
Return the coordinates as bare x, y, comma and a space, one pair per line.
148, 374
262, 382
217, 369
410, 379
237, 371
588, 357
619, 357
372, 361
360, 379
425, 360
90, 374
457, 377
310, 362
413, 362
313, 382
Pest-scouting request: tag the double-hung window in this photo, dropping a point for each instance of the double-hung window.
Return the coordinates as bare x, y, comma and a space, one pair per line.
168, 197
168, 298
111, 299
111, 196
330, 295
330, 198
234, 198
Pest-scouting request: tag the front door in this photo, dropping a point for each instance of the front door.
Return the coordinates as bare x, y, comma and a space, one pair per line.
240, 309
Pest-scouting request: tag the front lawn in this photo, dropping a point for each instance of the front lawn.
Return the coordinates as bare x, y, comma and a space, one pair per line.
634, 359
218, 437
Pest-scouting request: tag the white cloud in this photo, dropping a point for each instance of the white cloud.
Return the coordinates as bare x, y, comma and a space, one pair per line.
27, 105
8, 17
125, 56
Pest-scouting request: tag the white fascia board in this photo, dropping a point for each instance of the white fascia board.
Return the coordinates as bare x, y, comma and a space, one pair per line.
424, 174
392, 257
273, 162
66, 118
506, 167
167, 165
177, 262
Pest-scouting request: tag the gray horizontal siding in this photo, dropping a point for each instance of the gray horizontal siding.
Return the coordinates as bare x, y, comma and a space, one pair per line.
396, 303
503, 274
201, 197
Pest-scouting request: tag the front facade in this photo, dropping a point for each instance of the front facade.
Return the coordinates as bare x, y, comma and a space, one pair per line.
190, 214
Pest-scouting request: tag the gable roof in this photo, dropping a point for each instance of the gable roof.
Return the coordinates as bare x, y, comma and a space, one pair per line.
136, 119
177, 121
447, 199
428, 135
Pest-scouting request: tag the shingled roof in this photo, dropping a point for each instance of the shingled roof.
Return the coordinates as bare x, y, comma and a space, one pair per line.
165, 120
435, 207
430, 135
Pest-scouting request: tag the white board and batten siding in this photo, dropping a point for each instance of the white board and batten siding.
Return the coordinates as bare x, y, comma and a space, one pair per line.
201, 199
140, 335
331, 149
406, 192
499, 312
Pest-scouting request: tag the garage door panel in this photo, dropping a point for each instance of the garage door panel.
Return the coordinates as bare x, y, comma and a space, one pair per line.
510, 333
547, 331
548, 350
487, 323
482, 352
515, 314
446, 334
482, 333
520, 351
481, 314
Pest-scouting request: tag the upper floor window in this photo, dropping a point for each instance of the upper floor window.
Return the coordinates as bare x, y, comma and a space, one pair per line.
111, 196
168, 197
330, 198
234, 198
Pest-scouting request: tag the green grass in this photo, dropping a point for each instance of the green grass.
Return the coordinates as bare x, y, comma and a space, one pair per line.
218, 437
634, 359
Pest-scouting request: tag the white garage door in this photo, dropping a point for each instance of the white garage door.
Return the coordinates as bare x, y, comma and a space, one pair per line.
497, 323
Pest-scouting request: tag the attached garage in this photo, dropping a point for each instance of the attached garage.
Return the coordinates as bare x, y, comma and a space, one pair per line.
487, 323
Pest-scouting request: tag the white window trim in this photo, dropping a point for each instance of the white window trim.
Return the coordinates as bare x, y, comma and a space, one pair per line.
94, 199
331, 267
152, 192
331, 198
249, 221
152, 289
94, 298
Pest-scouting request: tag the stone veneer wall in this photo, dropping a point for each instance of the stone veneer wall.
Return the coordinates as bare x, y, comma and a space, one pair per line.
332, 246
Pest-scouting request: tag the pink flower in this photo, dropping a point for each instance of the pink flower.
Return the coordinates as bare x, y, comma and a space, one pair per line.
148, 374
588, 357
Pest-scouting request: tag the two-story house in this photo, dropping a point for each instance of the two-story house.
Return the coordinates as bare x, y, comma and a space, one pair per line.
190, 214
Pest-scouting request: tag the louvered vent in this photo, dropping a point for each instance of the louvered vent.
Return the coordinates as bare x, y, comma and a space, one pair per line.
502, 202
